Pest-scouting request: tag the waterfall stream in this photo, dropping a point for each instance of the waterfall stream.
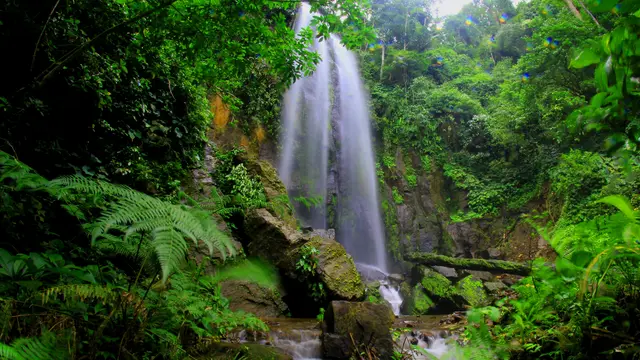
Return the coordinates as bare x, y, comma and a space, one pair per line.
328, 113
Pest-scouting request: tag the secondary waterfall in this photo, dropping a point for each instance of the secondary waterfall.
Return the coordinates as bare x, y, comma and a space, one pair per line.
333, 104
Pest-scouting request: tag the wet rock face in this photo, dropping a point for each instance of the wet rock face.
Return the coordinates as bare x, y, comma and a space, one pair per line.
253, 298
275, 241
367, 323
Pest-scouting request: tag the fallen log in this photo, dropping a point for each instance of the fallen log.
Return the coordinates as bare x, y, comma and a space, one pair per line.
494, 266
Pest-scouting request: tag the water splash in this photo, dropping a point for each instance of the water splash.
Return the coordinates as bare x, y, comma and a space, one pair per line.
392, 295
389, 292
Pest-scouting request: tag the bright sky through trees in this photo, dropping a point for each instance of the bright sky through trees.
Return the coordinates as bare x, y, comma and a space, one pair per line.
450, 7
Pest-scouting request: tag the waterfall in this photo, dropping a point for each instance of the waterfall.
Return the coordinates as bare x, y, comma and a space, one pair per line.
333, 103
304, 159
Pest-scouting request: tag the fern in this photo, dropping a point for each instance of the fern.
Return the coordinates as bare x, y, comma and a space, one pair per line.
44, 347
21, 176
81, 292
167, 224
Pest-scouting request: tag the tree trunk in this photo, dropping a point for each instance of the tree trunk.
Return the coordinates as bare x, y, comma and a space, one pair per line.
497, 266
406, 24
573, 9
382, 62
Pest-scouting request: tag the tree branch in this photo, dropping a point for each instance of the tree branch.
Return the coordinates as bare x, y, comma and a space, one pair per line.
47, 74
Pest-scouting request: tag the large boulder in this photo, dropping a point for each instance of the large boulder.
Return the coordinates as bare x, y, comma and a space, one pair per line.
274, 240
253, 298
361, 323
337, 270
438, 289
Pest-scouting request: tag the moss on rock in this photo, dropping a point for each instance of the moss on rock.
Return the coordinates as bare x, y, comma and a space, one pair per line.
422, 304
435, 284
337, 269
473, 292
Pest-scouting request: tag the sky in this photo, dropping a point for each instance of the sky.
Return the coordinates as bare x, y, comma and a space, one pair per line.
450, 7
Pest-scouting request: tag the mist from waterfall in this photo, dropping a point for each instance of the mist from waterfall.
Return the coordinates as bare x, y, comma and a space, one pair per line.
333, 104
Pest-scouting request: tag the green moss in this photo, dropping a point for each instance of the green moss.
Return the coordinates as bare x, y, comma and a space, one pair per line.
421, 302
397, 197
473, 292
435, 284
470, 264
392, 232
340, 275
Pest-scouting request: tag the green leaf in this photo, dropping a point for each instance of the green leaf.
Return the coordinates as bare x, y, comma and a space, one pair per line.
581, 258
621, 203
601, 78
585, 58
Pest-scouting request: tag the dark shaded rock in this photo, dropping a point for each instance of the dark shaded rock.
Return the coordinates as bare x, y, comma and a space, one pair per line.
510, 280
479, 275
495, 253
274, 240
366, 322
494, 286
229, 351
449, 273
253, 298
336, 346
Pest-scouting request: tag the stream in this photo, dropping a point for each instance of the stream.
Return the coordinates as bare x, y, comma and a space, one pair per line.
301, 338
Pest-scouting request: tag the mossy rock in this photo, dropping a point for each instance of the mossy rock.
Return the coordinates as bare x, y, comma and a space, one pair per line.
252, 298
274, 240
434, 283
337, 270
422, 304
229, 351
439, 291
274, 188
473, 292
347, 323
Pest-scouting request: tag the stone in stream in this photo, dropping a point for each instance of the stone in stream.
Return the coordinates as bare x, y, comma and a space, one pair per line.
361, 323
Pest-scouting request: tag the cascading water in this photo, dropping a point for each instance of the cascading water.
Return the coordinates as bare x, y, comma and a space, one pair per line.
304, 161
304, 166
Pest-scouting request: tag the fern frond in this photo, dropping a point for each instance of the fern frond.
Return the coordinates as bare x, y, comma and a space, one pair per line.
22, 176
44, 347
81, 292
167, 224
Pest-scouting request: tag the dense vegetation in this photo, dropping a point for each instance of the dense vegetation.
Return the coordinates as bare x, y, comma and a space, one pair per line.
514, 105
